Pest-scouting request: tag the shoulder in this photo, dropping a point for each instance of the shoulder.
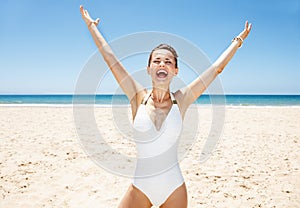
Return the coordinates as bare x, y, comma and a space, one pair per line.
179, 97
136, 101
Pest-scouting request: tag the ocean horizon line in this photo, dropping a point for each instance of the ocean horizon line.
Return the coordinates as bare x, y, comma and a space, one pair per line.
110, 94
121, 99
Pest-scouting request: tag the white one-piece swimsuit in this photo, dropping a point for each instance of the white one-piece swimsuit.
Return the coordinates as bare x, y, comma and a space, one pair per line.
157, 172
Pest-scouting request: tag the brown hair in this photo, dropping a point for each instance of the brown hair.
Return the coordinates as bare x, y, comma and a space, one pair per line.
166, 47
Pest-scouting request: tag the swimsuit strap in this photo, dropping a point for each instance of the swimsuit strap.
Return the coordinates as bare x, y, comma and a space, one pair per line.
174, 101
146, 98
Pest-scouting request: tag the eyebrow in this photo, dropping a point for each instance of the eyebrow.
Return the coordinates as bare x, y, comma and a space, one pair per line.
165, 58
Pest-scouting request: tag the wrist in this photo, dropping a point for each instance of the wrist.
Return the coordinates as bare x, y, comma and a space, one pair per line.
239, 40
90, 24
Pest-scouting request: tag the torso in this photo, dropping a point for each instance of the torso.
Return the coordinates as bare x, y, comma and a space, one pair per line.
157, 172
157, 128
158, 111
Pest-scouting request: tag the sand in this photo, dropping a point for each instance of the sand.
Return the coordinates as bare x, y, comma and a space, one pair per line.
255, 164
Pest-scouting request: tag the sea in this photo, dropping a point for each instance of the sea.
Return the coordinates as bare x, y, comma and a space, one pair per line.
109, 100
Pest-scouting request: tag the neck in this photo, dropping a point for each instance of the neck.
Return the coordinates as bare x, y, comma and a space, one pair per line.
159, 95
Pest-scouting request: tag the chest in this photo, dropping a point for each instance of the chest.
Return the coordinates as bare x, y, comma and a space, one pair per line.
149, 118
158, 113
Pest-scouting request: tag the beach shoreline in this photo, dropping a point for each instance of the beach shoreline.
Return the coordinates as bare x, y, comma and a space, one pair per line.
126, 106
255, 164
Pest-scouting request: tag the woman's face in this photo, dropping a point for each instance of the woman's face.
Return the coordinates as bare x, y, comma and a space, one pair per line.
162, 66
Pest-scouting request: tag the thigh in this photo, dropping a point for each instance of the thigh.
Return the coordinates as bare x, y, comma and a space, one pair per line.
134, 198
177, 199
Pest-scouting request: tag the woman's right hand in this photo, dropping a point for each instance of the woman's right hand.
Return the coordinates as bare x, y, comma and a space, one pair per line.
87, 18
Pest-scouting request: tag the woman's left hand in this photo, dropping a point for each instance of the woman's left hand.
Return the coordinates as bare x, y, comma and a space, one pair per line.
244, 34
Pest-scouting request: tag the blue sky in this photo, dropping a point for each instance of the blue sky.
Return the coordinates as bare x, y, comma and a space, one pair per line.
45, 44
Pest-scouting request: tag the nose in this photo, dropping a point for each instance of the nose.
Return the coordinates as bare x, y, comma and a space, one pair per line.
162, 63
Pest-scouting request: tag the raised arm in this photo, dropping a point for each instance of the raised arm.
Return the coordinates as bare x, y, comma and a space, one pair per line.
199, 85
131, 88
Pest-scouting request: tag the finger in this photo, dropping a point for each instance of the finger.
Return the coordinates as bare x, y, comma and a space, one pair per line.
87, 13
97, 21
82, 12
81, 9
246, 24
250, 26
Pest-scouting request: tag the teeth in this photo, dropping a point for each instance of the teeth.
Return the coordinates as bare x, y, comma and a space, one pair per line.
162, 71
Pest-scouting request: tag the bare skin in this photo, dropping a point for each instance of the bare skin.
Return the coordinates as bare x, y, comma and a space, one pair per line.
160, 102
134, 198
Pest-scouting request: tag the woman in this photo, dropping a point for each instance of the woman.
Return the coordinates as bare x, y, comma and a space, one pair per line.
154, 107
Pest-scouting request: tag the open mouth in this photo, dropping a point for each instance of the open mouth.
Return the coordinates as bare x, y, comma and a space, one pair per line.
161, 74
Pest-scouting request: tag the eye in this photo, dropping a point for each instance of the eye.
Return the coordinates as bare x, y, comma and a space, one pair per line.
156, 61
168, 62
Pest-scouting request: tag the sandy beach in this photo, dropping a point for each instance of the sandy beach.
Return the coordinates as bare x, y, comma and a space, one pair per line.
256, 162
